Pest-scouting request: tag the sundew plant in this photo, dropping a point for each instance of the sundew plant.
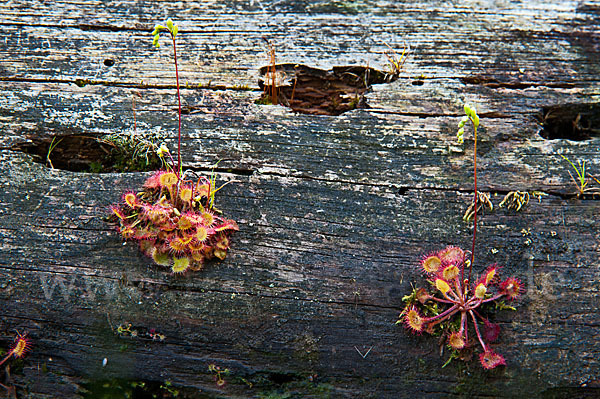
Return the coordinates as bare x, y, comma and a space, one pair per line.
173, 217
454, 306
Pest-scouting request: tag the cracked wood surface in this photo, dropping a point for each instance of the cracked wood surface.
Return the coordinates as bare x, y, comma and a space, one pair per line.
334, 212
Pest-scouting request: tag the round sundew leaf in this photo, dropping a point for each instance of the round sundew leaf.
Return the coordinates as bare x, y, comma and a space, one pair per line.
456, 341
450, 272
180, 265
480, 291
161, 258
431, 264
442, 286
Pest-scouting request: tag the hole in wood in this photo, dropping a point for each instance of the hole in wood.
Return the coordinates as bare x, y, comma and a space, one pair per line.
571, 121
108, 62
88, 153
317, 91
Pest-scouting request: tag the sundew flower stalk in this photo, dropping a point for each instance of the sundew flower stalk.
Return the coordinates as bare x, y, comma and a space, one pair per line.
173, 218
471, 115
172, 30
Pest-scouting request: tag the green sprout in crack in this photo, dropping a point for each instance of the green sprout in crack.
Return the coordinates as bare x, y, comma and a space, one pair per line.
219, 372
582, 182
396, 62
51, 148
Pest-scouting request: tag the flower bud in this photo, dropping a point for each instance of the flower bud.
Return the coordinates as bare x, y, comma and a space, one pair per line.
460, 135
162, 150
468, 110
475, 120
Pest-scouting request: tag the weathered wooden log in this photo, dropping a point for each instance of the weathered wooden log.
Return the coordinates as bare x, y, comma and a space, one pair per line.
334, 211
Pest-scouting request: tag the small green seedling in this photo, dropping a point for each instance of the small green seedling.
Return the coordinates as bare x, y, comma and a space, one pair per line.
220, 381
51, 148
396, 61
582, 182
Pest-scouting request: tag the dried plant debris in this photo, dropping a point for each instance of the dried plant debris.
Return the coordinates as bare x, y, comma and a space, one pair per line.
483, 200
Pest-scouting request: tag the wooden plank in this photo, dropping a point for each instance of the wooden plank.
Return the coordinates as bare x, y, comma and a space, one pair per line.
334, 212
413, 151
304, 283
538, 44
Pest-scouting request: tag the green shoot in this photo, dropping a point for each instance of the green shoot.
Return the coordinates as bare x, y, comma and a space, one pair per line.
454, 355
580, 174
51, 148
396, 61
213, 182
503, 306
582, 181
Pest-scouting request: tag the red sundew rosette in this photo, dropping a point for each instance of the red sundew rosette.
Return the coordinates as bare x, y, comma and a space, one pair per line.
172, 223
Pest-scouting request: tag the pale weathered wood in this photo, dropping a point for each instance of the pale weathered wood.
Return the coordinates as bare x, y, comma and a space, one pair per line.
334, 212
393, 149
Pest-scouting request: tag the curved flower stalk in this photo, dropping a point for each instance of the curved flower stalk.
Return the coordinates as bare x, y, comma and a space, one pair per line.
172, 30
456, 302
